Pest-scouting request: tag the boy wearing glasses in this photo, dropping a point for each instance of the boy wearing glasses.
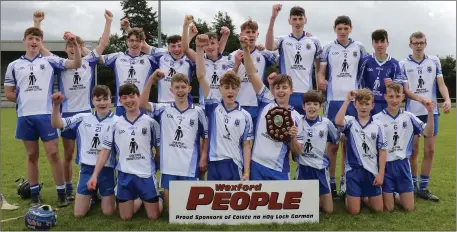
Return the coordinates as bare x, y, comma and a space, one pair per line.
422, 75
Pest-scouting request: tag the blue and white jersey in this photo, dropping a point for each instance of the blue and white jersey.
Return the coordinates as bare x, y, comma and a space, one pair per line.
180, 141
262, 60
77, 84
372, 74
400, 131
170, 66
421, 78
296, 59
90, 132
214, 72
315, 136
266, 151
133, 142
34, 82
342, 67
130, 69
227, 130
364, 143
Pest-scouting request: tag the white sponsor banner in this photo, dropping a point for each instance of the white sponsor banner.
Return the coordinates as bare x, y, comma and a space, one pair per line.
251, 202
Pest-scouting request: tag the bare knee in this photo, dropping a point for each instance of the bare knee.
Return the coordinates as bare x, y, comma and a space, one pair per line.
109, 211
408, 207
352, 210
53, 156
79, 214
389, 207
377, 208
327, 209
126, 217
153, 216
33, 157
429, 151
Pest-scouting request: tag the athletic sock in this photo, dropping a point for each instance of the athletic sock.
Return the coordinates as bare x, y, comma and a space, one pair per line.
69, 186
35, 189
332, 183
423, 182
415, 182
60, 189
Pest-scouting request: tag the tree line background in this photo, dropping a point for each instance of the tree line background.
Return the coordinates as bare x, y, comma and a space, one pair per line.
140, 15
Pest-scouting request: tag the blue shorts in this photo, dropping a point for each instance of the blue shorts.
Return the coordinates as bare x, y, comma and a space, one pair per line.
165, 179
310, 173
32, 127
359, 183
296, 100
223, 170
397, 177
331, 109
130, 187
70, 133
423, 118
254, 112
105, 180
378, 107
260, 172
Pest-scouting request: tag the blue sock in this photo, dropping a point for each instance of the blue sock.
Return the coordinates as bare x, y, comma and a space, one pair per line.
424, 182
415, 181
69, 186
60, 189
35, 189
332, 183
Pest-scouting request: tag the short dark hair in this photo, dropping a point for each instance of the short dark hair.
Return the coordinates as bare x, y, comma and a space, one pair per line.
297, 11
211, 35
138, 32
101, 91
281, 79
35, 31
127, 89
313, 96
380, 35
173, 39
343, 19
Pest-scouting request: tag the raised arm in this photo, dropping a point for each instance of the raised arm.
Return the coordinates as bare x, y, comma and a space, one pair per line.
144, 96
225, 33
56, 117
339, 118
187, 32
38, 16
201, 42
104, 41
270, 43
76, 63
249, 65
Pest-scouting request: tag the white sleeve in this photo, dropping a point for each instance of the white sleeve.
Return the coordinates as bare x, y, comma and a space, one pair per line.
109, 137
70, 122
10, 79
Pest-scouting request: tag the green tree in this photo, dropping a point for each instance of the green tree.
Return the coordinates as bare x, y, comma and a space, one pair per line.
221, 20
448, 67
142, 16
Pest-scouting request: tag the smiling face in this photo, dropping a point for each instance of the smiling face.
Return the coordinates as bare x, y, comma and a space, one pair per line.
282, 89
33, 39
213, 46
101, 99
129, 97
175, 46
135, 39
312, 104
180, 87
394, 96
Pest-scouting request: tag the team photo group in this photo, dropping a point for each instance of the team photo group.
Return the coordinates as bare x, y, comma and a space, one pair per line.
372, 109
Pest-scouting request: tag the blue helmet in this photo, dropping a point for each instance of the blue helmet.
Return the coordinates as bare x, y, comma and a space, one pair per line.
41, 218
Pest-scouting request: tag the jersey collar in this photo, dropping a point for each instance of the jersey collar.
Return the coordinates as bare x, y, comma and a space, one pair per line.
368, 123
410, 58
128, 54
191, 106
172, 57
136, 119
238, 106
349, 44
109, 115
313, 122
298, 39
380, 64
400, 111
219, 57
255, 49
25, 58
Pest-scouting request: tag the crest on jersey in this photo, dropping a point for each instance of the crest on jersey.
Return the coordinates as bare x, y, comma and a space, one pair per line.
237, 122
429, 69
308, 46
192, 122
144, 131
404, 124
142, 61
258, 59
355, 54
321, 134
42, 66
373, 135
388, 72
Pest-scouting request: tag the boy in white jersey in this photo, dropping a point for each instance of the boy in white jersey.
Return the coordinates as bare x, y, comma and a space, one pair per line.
133, 136
131, 66
230, 126
298, 53
400, 128
263, 60
270, 158
313, 161
76, 85
28, 82
365, 154
90, 130
182, 126
339, 62
422, 75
